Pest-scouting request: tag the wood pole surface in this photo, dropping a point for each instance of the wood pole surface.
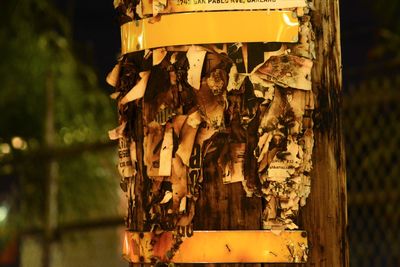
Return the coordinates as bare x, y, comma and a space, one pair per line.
324, 217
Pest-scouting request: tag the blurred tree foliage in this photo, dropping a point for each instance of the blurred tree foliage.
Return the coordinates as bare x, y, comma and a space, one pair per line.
388, 31
35, 43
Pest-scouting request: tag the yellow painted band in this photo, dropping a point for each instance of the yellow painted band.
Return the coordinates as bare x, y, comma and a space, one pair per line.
176, 6
210, 28
218, 247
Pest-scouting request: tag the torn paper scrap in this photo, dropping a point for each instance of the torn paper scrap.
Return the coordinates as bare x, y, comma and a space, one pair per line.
288, 71
138, 90
196, 58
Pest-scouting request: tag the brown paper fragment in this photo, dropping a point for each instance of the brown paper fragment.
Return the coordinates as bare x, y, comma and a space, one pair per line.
187, 137
117, 133
158, 55
178, 122
233, 171
115, 95
284, 167
125, 166
287, 71
196, 58
113, 76
153, 139
138, 90
167, 197
159, 6
166, 152
211, 106
179, 182
236, 79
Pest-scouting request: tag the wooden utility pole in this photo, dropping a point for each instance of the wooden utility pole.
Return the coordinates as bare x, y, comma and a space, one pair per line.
226, 206
51, 186
325, 215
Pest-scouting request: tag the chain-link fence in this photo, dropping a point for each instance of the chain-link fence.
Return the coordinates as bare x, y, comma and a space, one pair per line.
371, 126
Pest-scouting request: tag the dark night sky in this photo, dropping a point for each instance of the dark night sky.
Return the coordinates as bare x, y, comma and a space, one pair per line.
358, 28
96, 32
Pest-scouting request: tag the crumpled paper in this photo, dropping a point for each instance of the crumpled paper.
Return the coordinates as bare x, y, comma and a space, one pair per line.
250, 103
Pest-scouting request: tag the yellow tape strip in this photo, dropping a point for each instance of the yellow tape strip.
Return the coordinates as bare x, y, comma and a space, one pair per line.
218, 247
176, 6
209, 28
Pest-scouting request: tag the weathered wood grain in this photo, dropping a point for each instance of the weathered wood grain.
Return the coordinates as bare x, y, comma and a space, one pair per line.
325, 215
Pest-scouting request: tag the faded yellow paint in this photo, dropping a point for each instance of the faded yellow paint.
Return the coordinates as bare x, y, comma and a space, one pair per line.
209, 28
218, 247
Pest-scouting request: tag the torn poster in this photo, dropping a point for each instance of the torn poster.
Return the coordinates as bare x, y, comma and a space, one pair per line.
244, 97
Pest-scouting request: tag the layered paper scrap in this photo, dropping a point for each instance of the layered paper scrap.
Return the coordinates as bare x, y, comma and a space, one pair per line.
248, 104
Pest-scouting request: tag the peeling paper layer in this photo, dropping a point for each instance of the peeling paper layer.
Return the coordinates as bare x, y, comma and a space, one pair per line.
152, 148
166, 152
138, 90
244, 108
233, 171
125, 165
159, 55
113, 76
196, 59
188, 136
117, 133
287, 71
